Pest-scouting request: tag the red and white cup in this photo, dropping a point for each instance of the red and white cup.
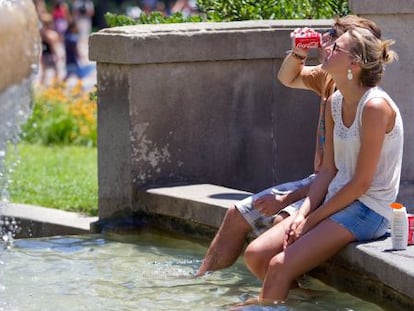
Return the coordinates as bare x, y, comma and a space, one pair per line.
307, 40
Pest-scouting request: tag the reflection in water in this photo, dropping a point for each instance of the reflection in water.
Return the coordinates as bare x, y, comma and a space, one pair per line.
149, 271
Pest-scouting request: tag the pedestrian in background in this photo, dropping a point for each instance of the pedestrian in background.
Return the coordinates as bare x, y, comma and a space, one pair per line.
74, 64
61, 17
50, 46
82, 13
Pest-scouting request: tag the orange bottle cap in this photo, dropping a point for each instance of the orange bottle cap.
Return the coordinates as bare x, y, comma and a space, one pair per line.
397, 205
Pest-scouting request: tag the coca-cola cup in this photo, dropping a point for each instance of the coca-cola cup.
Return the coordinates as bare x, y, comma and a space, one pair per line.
306, 40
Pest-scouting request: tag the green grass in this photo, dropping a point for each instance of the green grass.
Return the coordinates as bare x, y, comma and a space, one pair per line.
62, 177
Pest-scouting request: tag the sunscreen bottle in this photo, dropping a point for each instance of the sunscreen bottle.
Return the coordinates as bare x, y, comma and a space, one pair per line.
399, 227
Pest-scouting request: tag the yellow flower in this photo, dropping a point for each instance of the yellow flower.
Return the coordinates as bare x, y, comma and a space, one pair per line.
62, 103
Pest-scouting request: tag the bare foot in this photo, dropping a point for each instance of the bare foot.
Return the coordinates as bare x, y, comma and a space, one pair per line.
254, 301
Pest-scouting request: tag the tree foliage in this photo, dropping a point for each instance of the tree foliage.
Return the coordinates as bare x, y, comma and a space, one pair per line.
238, 10
114, 20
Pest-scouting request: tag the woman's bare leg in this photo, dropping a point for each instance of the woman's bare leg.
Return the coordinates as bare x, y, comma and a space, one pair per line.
260, 251
312, 249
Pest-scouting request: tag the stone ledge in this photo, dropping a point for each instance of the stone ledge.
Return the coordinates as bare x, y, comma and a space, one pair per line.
38, 221
155, 44
202, 203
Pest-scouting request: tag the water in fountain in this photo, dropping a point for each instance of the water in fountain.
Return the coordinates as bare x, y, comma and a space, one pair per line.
15, 107
19, 54
146, 271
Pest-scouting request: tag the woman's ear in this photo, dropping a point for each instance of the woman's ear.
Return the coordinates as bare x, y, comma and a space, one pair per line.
355, 64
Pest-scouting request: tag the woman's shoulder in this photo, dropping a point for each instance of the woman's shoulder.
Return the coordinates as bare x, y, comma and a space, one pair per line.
377, 97
379, 104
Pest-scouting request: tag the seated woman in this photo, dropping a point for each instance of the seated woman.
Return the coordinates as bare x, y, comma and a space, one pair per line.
360, 175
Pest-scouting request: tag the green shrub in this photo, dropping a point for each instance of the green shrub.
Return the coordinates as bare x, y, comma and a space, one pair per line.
238, 10
62, 116
114, 20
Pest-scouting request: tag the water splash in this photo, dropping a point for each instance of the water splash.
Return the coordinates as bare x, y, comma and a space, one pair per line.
19, 52
15, 108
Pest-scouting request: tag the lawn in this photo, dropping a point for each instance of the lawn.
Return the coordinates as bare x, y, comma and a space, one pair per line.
62, 177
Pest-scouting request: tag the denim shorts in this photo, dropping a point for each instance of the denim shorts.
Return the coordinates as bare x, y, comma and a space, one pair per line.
361, 221
261, 223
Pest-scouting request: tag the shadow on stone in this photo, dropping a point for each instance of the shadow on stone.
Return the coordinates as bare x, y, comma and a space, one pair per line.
229, 196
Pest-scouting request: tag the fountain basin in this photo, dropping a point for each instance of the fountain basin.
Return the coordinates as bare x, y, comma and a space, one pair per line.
149, 270
368, 269
36, 221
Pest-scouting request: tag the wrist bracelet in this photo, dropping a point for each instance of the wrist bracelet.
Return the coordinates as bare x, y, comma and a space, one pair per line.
296, 55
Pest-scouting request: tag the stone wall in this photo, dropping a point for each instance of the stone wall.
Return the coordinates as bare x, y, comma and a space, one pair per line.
200, 103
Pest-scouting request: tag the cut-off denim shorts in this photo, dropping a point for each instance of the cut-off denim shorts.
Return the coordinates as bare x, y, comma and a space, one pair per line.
361, 221
261, 223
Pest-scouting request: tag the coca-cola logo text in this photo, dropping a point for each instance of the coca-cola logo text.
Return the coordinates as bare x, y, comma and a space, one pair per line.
308, 45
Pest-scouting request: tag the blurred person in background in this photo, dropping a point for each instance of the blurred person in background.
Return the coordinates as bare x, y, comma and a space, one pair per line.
40, 7
186, 7
50, 45
74, 64
82, 13
148, 6
61, 17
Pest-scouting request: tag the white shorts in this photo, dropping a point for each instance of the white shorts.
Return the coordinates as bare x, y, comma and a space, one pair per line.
261, 223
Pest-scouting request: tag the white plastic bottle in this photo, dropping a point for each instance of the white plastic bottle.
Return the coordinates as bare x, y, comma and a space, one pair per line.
399, 227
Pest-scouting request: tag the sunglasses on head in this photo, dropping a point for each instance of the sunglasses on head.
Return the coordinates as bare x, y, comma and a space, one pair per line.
330, 35
333, 33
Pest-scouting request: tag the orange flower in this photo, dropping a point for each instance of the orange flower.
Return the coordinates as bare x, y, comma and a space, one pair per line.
56, 103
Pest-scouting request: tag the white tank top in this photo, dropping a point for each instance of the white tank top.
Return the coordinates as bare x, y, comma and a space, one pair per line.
385, 184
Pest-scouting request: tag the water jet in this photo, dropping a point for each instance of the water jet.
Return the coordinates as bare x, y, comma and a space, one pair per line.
19, 55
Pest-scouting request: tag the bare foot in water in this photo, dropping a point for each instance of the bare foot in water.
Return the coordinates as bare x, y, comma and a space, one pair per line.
253, 301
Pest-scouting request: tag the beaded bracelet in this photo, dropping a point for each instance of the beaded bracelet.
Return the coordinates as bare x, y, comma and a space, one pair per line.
296, 55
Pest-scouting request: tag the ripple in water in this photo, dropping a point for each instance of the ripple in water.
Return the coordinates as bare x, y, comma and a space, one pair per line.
143, 272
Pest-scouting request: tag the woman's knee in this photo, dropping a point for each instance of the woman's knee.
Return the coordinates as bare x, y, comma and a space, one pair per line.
277, 263
256, 259
278, 269
251, 253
